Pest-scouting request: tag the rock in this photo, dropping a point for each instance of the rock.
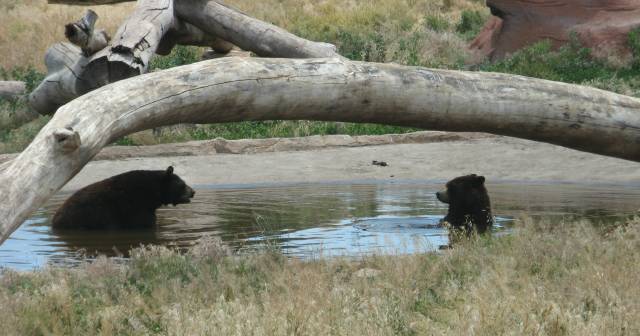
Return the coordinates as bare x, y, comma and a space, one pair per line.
602, 25
379, 163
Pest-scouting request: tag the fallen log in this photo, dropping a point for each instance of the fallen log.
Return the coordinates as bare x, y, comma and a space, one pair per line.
155, 27
264, 39
132, 47
64, 62
333, 89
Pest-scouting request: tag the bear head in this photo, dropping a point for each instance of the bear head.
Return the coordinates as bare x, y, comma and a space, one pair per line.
469, 204
176, 191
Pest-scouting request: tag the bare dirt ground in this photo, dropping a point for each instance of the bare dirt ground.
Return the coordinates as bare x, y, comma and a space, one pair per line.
420, 155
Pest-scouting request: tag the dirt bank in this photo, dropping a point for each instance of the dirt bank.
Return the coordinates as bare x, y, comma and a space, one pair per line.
420, 155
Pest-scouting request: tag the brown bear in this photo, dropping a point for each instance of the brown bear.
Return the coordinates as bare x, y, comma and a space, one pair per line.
125, 201
469, 204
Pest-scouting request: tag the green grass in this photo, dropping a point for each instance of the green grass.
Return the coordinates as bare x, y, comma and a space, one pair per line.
551, 278
571, 64
471, 23
257, 130
437, 23
180, 55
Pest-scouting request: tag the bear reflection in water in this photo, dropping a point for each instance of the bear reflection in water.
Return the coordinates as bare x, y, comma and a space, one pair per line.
469, 206
121, 202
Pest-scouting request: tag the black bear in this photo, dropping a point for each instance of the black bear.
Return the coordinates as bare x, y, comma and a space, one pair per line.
125, 201
469, 204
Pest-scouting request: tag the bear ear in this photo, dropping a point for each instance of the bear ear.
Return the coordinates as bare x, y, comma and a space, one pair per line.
170, 170
479, 180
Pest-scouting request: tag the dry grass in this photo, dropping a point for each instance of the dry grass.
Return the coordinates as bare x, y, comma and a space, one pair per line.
560, 279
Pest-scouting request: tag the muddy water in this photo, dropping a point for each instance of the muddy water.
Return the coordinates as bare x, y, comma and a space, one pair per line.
311, 220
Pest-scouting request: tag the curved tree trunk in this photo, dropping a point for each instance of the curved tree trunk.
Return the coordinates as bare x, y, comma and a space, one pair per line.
315, 89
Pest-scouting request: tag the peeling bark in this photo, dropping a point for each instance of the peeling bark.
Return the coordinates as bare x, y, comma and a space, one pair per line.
335, 89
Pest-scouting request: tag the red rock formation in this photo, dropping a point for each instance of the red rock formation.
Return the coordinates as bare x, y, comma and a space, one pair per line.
602, 25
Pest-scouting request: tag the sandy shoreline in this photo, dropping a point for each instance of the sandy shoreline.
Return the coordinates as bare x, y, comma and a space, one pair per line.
420, 155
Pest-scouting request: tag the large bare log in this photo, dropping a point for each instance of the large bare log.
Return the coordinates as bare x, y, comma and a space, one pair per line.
133, 45
187, 34
64, 62
248, 33
335, 89
72, 71
155, 27
229, 24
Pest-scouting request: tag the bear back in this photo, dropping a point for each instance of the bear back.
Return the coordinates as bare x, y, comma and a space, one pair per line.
125, 201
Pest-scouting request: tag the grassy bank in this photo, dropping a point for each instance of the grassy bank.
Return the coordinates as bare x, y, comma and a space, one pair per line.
546, 279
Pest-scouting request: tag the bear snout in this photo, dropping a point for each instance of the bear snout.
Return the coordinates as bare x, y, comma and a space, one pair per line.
189, 193
443, 196
186, 196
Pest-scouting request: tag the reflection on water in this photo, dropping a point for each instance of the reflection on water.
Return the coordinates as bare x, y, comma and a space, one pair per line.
308, 220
